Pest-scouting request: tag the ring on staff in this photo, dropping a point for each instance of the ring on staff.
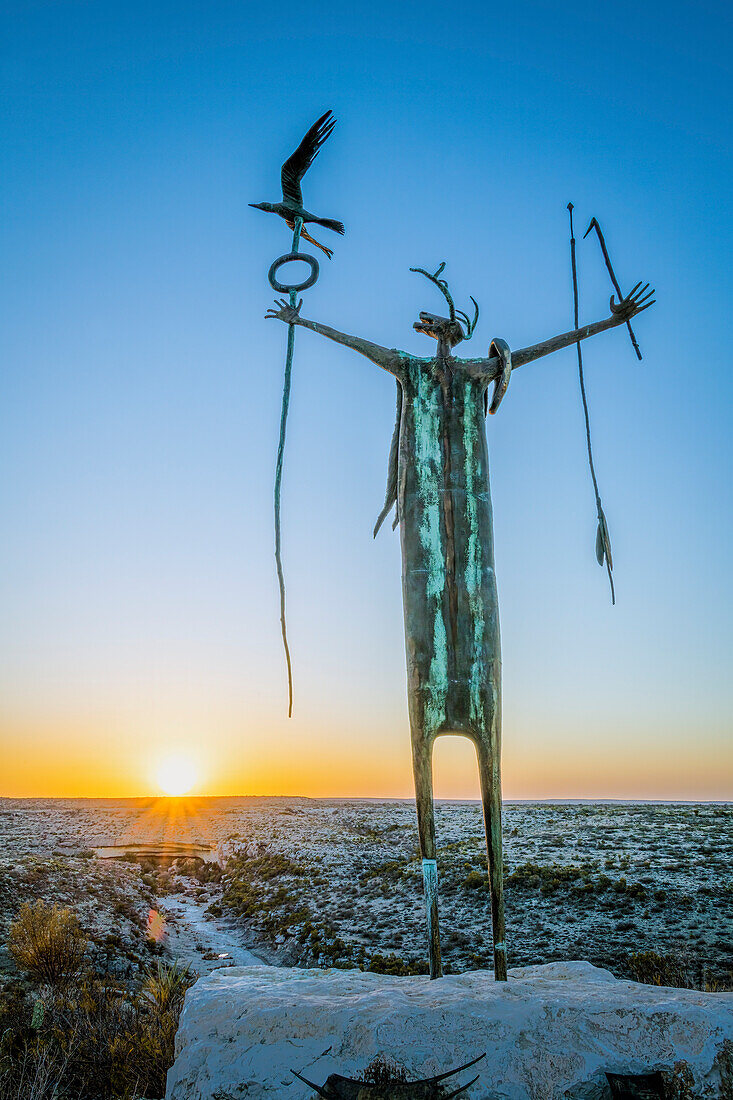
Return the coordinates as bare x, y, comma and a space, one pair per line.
285, 288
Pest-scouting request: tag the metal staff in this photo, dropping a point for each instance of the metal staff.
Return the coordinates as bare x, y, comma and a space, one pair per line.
292, 290
603, 541
294, 214
279, 467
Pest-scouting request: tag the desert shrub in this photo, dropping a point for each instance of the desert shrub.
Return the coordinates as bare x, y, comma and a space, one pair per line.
47, 943
393, 964
382, 1072
165, 985
91, 1039
261, 888
654, 969
679, 1082
724, 1065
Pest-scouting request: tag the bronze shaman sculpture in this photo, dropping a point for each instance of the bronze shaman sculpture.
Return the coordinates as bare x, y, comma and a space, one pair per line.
439, 483
441, 492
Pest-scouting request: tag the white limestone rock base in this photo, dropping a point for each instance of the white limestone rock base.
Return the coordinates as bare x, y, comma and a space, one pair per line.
549, 1031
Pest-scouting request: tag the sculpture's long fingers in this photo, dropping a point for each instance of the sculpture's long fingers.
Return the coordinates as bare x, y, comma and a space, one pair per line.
642, 308
633, 291
643, 298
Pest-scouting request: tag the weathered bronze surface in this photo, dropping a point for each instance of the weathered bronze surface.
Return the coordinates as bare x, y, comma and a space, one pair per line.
440, 485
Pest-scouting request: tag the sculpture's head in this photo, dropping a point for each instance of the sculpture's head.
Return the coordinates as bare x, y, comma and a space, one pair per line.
448, 331
268, 207
440, 328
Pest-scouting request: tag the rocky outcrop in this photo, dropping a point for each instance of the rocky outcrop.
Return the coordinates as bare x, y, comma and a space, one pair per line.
550, 1031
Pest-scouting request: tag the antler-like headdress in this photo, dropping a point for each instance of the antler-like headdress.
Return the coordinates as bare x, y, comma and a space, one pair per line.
455, 314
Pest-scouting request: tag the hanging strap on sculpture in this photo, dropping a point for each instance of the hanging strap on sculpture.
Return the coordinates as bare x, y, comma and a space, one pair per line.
601, 240
603, 541
291, 289
390, 496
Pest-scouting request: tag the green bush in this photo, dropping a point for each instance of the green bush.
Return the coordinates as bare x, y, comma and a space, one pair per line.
393, 964
47, 943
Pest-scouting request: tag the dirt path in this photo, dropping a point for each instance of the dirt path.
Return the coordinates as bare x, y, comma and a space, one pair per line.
203, 942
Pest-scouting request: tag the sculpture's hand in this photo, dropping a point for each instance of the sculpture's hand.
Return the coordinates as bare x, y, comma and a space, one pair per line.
635, 302
285, 312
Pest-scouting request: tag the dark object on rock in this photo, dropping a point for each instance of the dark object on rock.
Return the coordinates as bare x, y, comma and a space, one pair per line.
391, 1087
293, 170
636, 1086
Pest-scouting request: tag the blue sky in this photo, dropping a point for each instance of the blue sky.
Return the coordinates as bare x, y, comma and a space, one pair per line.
141, 387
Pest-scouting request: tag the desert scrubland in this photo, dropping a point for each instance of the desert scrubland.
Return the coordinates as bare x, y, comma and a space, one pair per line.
338, 883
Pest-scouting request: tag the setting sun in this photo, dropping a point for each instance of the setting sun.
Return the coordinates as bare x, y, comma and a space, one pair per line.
176, 774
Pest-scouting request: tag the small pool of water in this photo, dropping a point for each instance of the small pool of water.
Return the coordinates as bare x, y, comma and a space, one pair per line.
165, 851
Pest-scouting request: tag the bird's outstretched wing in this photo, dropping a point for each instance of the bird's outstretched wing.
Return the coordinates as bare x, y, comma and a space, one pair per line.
298, 164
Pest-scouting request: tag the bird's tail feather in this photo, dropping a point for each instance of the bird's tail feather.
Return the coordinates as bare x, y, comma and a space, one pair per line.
329, 223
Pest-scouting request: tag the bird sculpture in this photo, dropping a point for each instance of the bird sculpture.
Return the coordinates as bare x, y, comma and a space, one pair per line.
292, 173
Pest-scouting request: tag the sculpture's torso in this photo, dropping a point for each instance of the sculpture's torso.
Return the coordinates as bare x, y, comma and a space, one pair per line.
449, 586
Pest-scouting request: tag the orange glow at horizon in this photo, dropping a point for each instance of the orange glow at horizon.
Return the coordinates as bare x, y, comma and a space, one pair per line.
75, 762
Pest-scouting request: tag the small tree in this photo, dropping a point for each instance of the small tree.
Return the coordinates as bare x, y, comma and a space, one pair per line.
47, 942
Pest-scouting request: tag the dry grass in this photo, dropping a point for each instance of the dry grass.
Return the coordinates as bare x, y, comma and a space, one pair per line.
678, 971
74, 1036
91, 1039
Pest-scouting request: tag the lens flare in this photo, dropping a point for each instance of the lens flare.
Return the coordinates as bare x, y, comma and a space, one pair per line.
176, 774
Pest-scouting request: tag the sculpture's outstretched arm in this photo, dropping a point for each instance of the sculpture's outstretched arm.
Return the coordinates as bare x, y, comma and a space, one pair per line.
638, 300
386, 358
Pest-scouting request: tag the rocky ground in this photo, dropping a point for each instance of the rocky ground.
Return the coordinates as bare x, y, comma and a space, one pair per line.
331, 882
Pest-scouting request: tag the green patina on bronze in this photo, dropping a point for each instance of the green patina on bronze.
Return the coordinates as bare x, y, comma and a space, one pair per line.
439, 483
474, 553
429, 568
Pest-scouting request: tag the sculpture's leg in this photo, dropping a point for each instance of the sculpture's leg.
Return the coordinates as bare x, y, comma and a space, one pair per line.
422, 765
490, 778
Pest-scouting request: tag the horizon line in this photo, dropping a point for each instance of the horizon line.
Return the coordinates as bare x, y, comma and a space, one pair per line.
552, 799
